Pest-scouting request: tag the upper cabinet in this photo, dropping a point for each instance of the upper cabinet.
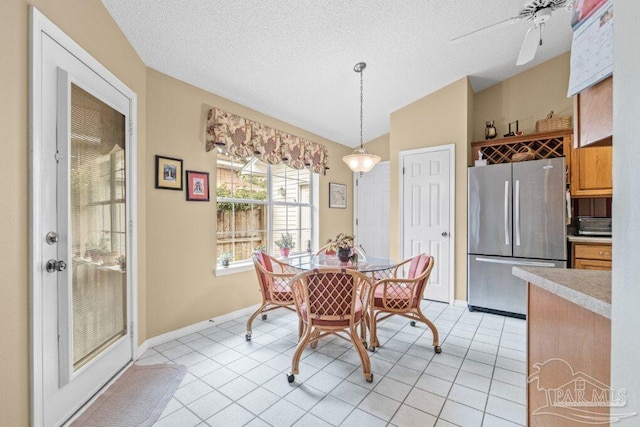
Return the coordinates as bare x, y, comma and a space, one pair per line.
593, 118
592, 156
591, 171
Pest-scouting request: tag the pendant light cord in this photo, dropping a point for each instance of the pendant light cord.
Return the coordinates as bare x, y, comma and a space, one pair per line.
361, 103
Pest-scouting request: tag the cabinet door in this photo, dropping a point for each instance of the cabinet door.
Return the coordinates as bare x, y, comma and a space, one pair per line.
591, 172
594, 113
591, 264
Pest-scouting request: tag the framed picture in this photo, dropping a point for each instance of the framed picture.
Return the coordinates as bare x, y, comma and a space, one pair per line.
198, 186
168, 173
337, 195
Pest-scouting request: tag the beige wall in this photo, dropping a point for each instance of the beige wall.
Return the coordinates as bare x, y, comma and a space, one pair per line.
437, 119
181, 240
89, 24
526, 97
379, 146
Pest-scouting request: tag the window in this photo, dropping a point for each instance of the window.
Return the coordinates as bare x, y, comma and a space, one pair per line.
257, 203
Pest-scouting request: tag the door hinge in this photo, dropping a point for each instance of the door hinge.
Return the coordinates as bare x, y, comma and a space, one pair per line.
131, 325
403, 170
356, 221
130, 228
357, 180
131, 128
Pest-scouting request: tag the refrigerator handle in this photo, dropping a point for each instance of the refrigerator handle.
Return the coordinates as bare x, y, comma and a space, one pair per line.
506, 213
512, 262
516, 216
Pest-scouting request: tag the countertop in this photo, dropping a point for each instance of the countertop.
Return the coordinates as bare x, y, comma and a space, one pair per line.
589, 239
590, 289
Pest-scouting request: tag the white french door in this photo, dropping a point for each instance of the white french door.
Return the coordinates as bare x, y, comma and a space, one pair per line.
82, 226
428, 212
372, 211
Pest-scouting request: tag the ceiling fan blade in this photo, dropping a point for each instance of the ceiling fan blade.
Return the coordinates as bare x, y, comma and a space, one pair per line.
529, 46
500, 24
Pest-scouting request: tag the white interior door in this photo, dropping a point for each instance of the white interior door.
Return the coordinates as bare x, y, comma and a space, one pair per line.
427, 214
82, 226
372, 216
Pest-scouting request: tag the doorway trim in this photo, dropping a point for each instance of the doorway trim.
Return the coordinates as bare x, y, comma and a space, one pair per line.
39, 25
451, 148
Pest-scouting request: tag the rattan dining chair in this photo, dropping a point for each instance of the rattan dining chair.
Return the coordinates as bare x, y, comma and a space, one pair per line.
331, 301
402, 296
273, 278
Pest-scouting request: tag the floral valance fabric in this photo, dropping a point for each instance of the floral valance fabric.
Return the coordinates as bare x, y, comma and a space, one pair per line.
243, 138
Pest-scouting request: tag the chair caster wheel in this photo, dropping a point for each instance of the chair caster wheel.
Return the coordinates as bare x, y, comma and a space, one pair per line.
290, 378
437, 349
369, 378
247, 337
264, 317
413, 323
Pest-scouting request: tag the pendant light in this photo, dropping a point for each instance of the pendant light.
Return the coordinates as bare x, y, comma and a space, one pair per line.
360, 160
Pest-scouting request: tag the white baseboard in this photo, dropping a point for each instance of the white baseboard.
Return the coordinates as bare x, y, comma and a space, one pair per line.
196, 327
460, 303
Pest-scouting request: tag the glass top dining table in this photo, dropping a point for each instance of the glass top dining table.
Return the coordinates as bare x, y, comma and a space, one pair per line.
378, 267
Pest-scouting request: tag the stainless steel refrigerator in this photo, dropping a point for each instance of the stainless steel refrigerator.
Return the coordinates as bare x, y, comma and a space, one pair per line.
516, 217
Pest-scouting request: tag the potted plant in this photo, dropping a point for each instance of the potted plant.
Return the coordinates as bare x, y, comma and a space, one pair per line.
285, 244
224, 259
343, 245
122, 262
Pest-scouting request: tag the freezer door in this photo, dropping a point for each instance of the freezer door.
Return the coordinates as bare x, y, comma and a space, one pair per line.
492, 285
489, 210
539, 212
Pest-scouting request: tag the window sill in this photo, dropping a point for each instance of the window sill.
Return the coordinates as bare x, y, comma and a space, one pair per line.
248, 265
233, 269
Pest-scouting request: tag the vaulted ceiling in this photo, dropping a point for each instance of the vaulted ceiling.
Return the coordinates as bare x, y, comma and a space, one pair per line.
293, 59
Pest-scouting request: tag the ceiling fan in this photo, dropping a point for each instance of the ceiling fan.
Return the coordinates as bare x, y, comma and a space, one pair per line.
538, 11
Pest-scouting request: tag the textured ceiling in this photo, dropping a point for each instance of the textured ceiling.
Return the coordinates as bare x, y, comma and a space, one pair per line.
293, 59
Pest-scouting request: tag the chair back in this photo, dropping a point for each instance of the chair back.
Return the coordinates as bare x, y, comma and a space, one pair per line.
329, 295
420, 268
263, 265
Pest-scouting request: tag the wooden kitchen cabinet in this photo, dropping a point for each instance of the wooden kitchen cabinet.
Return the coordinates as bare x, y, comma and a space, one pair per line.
592, 171
593, 114
591, 256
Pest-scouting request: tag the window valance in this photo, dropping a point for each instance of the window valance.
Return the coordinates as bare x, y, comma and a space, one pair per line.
244, 138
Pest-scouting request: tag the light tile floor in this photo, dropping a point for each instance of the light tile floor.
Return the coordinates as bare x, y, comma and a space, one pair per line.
478, 379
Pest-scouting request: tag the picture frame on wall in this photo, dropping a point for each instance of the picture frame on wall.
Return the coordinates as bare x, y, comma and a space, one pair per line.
337, 195
168, 173
197, 186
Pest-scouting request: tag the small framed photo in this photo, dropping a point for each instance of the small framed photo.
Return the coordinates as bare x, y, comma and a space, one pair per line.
337, 195
168, 173
198, 186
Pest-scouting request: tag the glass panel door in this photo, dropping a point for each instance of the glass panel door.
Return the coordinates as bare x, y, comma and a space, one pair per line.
98, 226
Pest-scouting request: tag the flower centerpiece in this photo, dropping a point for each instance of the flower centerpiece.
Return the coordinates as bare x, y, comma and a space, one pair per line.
344, 245
285, 244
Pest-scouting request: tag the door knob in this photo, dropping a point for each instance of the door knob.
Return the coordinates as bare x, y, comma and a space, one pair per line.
445, 234
53, 266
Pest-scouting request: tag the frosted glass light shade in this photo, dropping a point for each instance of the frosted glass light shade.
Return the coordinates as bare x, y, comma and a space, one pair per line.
360, 160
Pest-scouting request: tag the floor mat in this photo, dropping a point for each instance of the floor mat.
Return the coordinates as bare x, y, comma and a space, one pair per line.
137, 398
